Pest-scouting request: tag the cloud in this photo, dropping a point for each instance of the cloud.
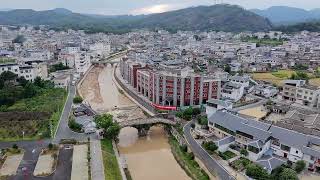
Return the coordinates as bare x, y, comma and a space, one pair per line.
159, 8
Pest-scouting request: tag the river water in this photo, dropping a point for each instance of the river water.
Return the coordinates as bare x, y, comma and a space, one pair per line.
148, 158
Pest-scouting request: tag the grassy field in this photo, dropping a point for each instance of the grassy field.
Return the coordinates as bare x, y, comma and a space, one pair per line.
5, 60
315, 82
111, 167
188, 164
268, 77
266, 42
50, 101
278, 77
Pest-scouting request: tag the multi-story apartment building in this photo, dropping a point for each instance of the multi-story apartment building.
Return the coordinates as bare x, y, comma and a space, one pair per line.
82, 62
29, 70
167, 87
298, 91
267, 144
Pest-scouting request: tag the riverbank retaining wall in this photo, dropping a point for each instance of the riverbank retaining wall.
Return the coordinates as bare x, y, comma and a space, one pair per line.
136, 97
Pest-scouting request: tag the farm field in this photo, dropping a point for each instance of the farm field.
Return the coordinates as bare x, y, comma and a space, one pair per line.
278, 77
30, 118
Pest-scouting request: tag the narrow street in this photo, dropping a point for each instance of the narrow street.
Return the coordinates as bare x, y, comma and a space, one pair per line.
63, 130
212, 165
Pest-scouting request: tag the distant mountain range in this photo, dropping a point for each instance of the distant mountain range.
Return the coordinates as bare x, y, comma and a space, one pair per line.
288, 15
218, 17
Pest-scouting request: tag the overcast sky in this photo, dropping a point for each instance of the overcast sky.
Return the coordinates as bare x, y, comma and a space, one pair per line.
112, 7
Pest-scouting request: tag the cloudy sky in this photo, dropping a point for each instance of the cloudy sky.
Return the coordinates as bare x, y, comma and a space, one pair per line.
112, 7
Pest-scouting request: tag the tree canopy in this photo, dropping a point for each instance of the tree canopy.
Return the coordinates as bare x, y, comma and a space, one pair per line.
111, 128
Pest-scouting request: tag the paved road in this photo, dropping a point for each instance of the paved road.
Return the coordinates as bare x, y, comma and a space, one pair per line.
97, 168
63, 131
64, 165
30, 158
211, 164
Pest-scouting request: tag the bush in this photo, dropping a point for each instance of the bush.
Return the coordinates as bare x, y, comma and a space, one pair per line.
179, 114
203, 120
196, 111
281, 173
244, 152
257, 172
77, 100
15, 146
74, 125
184, 148
50, 146
300, 166
222, 156
227, 155
210, 146
191, 156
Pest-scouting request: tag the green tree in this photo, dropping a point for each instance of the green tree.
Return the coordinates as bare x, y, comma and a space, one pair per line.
58, 67
196, 111
257, 172
113, 131
39, 82
244, 152
179, 114
22, 81
210, 146
288, 174
300, 166
77, 100
111, 128
227, 68
7, 76
15, 146
203, 120
299, 76
30, 90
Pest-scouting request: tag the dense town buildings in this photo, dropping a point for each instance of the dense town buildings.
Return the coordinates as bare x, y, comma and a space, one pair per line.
203, 69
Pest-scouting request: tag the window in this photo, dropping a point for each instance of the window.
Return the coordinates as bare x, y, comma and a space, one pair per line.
245, 135
224, 129
297, 152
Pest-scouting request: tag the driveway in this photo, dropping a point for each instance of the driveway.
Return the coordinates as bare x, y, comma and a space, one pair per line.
212, 165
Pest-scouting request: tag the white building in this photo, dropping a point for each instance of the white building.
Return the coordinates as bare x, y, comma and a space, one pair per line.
102, 49
82, 62
232, 91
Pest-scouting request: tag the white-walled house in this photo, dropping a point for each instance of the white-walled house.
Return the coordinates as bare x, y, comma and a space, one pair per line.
217, 104
232, 91
267, 144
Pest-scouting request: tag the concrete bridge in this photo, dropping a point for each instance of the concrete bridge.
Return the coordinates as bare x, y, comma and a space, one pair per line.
104, 63
143, 125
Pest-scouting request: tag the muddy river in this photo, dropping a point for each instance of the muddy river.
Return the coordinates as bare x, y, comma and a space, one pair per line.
148, 158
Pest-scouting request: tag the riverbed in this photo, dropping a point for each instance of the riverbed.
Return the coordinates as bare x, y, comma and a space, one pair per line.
148, 158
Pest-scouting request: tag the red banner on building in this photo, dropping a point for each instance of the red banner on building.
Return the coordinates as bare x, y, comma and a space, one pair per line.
170, 108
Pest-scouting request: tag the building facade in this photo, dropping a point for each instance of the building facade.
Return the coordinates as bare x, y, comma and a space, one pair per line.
170, 88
